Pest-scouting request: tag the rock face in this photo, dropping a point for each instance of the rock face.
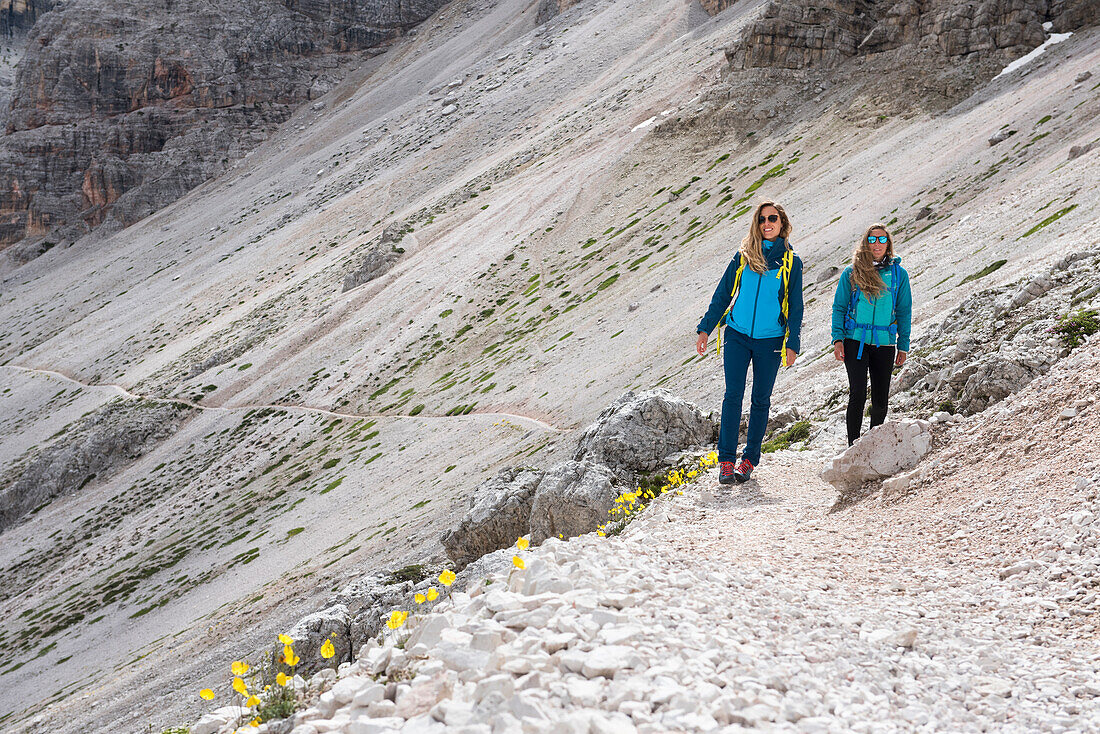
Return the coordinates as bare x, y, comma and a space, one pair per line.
637, 431
120, 108
882, 452
94, 447
572, 499
803, 35
379, 258
633, 435
997, 340
500, 513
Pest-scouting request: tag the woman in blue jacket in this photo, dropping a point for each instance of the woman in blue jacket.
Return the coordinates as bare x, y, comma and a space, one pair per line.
872, 320
764, 282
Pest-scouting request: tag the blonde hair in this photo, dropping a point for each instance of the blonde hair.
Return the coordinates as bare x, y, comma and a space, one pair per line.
752, 252
864, 275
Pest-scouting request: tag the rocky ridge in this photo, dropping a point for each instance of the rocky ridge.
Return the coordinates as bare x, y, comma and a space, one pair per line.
119, 109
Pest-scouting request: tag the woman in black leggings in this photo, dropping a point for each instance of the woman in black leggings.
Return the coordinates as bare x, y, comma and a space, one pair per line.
872, 319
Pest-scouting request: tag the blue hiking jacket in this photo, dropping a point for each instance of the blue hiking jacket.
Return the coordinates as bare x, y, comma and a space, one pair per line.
879, 311
757, 310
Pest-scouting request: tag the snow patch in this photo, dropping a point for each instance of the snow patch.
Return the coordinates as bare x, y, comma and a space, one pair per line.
1027, 59
643, 125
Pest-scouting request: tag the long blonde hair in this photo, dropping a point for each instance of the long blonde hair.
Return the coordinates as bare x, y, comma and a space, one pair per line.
864, 274
752, 252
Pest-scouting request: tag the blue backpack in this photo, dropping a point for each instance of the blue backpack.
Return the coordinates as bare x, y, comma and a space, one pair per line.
867, 332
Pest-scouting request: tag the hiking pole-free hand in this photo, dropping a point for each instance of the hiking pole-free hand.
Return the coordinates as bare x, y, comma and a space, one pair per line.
791, 357
838, 351
701, 343
900, 359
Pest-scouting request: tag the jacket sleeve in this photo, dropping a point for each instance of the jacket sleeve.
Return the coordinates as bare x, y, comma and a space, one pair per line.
795, 307
904, 312
721, 298
841, 301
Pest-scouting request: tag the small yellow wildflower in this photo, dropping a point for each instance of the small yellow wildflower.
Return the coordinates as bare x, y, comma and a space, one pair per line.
239, 686
432, 594
447, 577
418, 598
207, 694
397, 618
517, 562
281, 679
327, 650
286, 639
252, 701
238, 667
289, 657
522, 543
255, 722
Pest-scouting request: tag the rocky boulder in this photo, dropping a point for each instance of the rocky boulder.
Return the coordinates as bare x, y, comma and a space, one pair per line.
572, 499
499, 513
882, 452
636, 432
311, 632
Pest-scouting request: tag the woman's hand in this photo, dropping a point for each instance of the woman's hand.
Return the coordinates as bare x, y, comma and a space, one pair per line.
701, 343
791, 357
900, 359
838, 351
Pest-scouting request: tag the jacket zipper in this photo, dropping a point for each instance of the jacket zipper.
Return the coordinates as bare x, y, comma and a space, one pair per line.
755, 303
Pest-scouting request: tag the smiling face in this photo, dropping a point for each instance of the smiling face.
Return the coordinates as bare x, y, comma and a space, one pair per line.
878, 249
772, 224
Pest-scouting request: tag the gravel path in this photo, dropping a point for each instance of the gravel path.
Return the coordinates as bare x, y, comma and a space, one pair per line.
731, 608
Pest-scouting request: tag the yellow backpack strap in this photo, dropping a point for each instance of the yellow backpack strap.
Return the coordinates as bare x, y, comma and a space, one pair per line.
784, 276
733, 297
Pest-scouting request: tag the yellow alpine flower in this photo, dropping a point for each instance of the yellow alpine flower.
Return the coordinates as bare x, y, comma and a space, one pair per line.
418, 598
252, 701
432, 594
281, 679
289, 657
207, 694
517, 562
447, 577
286, 639
397, 618
255, 722
327, 650
522, 543
238, 667
239, 686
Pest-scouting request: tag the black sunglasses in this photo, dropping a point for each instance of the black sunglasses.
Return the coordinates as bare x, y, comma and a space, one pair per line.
773, 218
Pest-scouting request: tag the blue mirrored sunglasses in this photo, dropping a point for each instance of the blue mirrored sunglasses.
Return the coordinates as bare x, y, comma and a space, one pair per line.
871, 240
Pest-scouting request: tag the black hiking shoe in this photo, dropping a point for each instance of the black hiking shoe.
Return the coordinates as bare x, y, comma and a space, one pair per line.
743, 471
725, 472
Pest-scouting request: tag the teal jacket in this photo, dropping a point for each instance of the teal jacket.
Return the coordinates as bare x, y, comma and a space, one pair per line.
882, 321
757, 311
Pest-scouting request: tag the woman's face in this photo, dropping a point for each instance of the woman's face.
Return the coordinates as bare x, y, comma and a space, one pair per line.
878, 249
771, 225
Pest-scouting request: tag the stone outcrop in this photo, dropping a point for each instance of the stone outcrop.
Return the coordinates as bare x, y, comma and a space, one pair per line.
120, 108
997, 340
500, 513
92, 448
572, 499
882, 452
803, 35
636, 434
637, 431
380, 256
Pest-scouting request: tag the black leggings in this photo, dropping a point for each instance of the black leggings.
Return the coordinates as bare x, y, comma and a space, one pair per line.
879, 361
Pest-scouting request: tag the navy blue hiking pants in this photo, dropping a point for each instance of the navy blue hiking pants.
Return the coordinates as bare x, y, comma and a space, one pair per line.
765, 355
